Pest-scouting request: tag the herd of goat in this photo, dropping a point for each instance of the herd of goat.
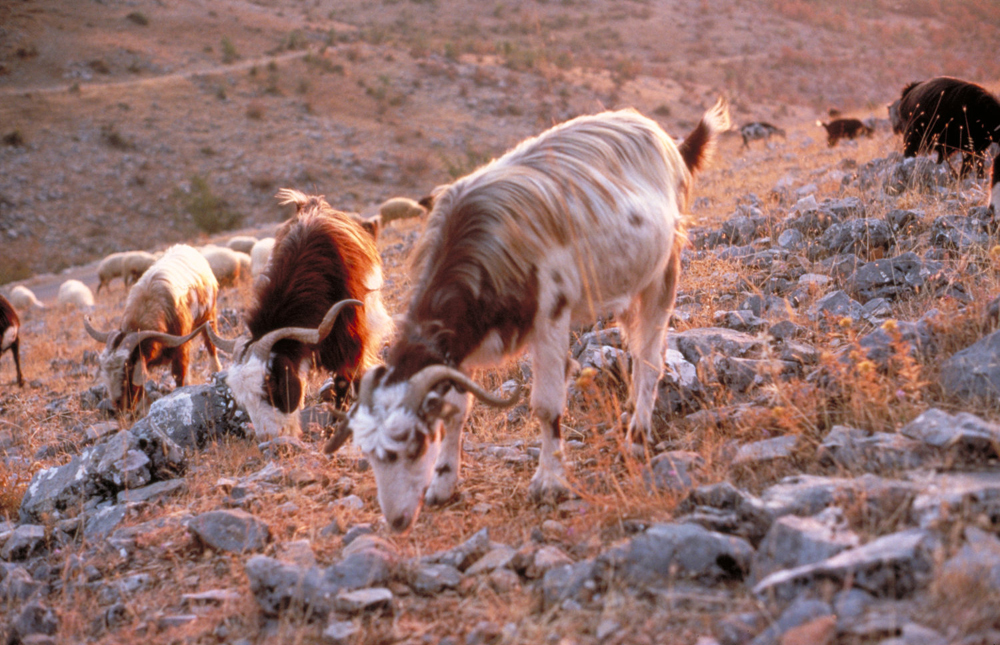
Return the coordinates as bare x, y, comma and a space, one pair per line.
511, 256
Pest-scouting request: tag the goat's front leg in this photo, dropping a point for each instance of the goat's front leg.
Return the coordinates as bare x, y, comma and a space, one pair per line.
449, 462
548, 400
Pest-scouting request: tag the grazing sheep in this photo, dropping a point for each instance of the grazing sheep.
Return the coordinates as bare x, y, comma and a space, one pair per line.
227, 265
24, 299
838, 129
135, 264
109, 269
169, 305
948, 115
322, 262
581, 221
259, 256
242, 243
400, 208
75, 293
759, 131
10, 325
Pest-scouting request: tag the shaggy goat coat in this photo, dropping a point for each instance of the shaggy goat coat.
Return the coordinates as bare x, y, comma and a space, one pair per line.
582, 221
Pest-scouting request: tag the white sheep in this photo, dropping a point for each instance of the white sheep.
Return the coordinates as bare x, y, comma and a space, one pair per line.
242, 243
24, 299
227, 264
260, 254
76, 294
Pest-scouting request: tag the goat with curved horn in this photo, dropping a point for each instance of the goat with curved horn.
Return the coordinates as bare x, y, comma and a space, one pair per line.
511, 257
172, 302
318, 303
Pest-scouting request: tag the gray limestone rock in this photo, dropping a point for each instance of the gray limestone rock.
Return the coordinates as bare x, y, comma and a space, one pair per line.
945, 497
463, 555
966, 436
431, 579
699, 342
234, 531
665, 552
23, 542
800, 612
974, 372
891, 566
794, 541
767, 450
856, 449
193, 414
575, 582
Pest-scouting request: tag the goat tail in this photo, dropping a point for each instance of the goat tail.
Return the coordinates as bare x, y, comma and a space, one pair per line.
697, 148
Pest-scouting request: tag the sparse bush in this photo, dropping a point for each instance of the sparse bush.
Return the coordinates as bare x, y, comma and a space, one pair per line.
255, 111
14, 139
209, 212
115, 139
229, 52
138, 18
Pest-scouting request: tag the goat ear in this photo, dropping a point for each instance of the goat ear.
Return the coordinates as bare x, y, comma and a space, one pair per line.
139, 372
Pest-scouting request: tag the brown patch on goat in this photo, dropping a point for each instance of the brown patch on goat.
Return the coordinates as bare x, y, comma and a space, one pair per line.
321, 256
559, 307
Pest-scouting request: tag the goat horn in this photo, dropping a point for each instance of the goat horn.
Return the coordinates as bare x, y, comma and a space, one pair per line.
228, 345
132, 340
427, 378
99, 336
262, 348
338, 439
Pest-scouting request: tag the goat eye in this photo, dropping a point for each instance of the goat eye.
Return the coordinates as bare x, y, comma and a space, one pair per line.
391, 456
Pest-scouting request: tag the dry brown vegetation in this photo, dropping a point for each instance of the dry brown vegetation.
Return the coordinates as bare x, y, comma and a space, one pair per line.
360, 100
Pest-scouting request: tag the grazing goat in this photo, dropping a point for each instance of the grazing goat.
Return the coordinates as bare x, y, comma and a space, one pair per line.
168, 306
322, 261
10, 325
759, 131
24, 299
995, 186
948, 115
579, 222
838, 129
76, 294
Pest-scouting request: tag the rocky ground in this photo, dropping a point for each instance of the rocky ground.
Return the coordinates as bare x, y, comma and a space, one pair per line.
826, 466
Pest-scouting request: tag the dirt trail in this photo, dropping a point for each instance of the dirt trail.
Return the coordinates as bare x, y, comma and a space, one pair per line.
164, 78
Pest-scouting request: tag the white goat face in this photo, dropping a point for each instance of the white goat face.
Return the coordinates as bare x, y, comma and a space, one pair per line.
246, 379
402, 446
121, 378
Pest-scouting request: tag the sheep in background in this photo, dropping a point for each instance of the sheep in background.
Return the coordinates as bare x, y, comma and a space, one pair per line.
259, 256
169, 305
10, 325
838, 129
24, 299
75, 293
400, 208
228, 266
136, 263
109, 269
580, 221
241, 243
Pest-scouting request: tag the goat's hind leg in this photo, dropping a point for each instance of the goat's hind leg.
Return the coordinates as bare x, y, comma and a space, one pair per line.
647, 330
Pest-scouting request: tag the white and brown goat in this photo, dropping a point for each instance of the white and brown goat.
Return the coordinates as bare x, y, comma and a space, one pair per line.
322, 261
168, 306
582, 221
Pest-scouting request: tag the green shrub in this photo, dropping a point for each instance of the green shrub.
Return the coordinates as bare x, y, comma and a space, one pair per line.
229, 53
138, 18
209, 212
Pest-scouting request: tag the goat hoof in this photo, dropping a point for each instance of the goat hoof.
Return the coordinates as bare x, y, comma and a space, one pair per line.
548, 492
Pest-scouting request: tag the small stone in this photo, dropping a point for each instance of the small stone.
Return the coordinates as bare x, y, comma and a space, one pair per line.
234, 531
374, 599
495, 559
340, 632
